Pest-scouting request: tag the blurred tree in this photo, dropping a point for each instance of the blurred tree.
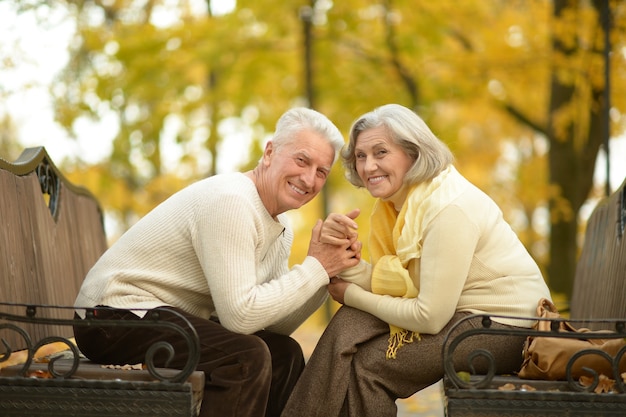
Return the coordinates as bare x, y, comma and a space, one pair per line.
9, 148
449, 61
573, 122
171, 74
513, 86
574, 129
518, 85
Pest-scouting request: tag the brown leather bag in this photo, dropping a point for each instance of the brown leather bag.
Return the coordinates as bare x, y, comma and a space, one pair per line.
547, 357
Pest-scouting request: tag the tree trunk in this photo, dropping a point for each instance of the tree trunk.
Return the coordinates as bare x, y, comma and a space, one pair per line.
574, 145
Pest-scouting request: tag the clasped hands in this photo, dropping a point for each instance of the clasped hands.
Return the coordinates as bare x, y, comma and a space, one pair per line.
340, 230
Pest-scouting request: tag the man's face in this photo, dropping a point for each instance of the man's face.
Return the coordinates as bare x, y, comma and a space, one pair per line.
297, 170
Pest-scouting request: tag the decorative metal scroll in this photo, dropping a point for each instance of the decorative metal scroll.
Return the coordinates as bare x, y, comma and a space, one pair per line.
453, 339
152, 321
50, 184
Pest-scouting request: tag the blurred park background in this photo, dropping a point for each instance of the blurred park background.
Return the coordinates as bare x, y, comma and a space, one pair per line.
135, 99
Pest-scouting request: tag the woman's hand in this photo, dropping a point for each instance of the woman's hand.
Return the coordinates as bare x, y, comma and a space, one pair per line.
337, 289
339, 229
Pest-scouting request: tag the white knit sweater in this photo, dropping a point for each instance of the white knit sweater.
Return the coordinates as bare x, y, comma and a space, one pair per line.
471, 261
211, 249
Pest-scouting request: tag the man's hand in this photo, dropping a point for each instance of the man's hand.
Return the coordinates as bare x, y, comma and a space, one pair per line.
334, 257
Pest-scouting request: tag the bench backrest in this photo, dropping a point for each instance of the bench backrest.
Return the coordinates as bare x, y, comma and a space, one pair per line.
51, 234
600, 284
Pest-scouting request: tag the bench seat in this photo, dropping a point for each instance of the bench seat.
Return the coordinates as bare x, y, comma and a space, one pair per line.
96, 390
598, 303
51, 234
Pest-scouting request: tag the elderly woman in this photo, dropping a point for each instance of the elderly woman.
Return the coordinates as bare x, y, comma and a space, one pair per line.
440, 251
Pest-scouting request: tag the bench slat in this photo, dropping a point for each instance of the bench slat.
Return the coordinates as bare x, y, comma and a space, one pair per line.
45, 256
51, 234
599, 290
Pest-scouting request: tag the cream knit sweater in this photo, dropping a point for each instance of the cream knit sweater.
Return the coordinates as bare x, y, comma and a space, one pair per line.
471, 260
211, 249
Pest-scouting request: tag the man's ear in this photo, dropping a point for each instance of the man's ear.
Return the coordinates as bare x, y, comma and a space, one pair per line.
268, 152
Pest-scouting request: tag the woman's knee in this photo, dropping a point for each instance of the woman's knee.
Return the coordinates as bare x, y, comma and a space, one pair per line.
370, 356
348, 323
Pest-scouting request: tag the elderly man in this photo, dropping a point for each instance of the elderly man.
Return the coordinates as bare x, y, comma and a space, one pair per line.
217, 253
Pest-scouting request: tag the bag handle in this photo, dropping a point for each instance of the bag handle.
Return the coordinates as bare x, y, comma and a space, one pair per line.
547, 310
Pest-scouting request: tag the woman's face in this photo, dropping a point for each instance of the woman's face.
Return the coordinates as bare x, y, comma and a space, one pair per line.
380, 163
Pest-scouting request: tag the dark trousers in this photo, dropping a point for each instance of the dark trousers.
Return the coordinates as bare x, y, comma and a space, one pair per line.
246, 375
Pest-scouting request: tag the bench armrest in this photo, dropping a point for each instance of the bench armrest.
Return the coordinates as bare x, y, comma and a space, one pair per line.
14, 315
616, 328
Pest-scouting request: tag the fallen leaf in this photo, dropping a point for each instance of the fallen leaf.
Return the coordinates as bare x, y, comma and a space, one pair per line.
605, 384
127, 367
40, 374
464, 376
507, 387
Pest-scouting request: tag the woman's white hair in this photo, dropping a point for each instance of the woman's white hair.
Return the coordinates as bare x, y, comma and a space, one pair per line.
430, 155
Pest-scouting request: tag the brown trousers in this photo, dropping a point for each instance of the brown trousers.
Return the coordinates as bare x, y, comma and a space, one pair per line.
246, 375
349, 375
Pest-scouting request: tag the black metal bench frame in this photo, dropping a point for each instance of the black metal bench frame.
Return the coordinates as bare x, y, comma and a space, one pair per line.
477, 395
484, 394
62, 385
67, 384
44, 263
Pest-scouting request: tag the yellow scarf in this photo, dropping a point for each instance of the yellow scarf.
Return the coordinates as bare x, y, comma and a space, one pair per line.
396, 239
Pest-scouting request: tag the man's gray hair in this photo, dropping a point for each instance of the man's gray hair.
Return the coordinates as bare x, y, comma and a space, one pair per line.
298, 119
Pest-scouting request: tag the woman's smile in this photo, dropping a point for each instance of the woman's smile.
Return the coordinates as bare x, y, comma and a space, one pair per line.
380, 162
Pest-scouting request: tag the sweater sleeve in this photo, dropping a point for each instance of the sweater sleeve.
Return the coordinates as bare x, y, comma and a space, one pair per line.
244, 254
289, 324
360, 274
448, 247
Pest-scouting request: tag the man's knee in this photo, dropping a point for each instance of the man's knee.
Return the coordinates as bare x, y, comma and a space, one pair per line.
282, 346
254, 357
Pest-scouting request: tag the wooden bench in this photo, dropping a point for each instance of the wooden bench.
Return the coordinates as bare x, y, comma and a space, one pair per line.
598, 302
51, 233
